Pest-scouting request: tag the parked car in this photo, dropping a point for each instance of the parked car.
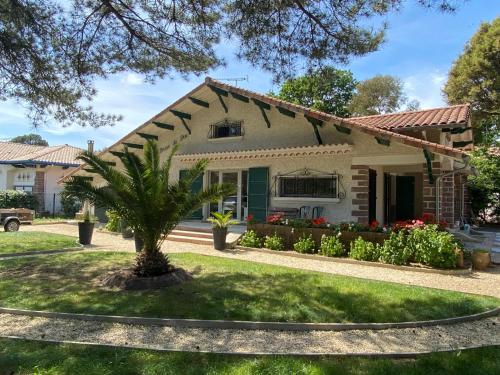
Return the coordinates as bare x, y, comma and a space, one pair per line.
12, 218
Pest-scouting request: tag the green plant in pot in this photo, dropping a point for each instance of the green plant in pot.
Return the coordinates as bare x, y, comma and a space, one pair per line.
220, 223
86, 228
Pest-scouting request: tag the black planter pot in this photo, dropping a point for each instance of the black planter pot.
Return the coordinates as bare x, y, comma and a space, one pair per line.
219, 235
85, 231
139, 243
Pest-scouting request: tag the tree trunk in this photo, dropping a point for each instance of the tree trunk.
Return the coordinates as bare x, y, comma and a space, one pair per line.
151, 262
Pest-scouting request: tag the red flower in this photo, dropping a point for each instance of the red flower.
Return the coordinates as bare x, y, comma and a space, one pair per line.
319, 221
275, 218
374, 224
249, 218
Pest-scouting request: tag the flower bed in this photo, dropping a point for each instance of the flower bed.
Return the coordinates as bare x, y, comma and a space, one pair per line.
291, 235
421, 241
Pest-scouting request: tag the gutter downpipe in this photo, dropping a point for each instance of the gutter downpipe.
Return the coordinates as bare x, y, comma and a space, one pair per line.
466, 159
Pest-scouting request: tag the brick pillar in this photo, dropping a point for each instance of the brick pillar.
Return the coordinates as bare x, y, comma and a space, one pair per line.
429, 190
39, 189
467, 212
447, 199
359, 192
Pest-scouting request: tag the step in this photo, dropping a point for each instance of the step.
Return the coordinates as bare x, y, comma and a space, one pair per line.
187, 233
193, 229
194, 240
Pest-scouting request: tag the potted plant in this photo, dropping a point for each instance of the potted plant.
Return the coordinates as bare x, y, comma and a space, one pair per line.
481, 259
220, 223
86, 229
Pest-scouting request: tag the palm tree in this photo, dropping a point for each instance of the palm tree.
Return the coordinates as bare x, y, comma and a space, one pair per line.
144, 197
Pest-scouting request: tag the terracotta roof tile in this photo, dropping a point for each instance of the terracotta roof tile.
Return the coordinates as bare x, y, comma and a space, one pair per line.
457, 114
17, 152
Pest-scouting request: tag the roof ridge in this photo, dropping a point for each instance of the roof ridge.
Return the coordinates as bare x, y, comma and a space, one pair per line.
414, 111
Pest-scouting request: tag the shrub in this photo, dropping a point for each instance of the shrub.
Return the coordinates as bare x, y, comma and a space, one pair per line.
433, 247
69, 205
364, 250
274, 242
305, 244
331, 246
394, 249
250, 239
18, 199
113, 224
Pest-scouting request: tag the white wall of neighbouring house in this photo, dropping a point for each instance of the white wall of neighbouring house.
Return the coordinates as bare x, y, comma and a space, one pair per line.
3, 176
52, 189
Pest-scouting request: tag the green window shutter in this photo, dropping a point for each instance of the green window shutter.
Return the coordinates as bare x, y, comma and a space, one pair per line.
196, 186
258, 196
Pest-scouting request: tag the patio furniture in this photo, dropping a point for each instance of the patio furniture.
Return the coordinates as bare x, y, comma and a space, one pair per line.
317, 212
304, 212
288, 212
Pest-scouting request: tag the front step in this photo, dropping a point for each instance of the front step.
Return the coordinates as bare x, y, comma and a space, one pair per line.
186, 239
191, 233
199, 236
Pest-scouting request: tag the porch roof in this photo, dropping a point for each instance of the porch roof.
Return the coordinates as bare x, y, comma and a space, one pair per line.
440, 117
289, 152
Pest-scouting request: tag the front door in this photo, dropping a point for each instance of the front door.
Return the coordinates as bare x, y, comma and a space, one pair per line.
236, 203
405, 197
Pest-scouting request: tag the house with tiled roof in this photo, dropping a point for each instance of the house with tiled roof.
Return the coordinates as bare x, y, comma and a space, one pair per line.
286, 157
37, 169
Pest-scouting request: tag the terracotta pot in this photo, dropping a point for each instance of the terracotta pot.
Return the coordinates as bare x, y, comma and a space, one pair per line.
460, 258
480, 260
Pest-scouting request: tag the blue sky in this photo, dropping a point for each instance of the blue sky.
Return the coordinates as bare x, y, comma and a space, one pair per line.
420, 48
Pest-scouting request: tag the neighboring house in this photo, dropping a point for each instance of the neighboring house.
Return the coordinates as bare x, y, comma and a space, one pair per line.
283, 156
37, 169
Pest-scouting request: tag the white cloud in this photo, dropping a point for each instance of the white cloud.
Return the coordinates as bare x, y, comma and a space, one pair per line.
133, 79
426, 87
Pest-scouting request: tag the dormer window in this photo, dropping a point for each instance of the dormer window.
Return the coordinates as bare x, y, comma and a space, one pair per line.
226, 129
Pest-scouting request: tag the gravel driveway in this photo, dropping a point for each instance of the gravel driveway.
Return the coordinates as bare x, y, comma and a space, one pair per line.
484, 283
484, 332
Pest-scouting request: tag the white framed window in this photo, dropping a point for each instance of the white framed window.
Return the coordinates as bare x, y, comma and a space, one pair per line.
28, 189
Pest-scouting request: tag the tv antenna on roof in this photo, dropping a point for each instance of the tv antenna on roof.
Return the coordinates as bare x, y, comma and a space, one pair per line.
235, 79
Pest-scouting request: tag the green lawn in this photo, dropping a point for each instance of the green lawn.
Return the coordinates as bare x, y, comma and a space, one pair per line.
224, 289
24, 357
20, 242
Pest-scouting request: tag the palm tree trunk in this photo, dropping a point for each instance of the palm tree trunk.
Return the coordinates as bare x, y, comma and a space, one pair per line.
151, 261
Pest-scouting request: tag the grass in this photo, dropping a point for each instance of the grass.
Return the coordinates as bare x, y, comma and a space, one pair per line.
25, 357
50, 219
20, 242
224, 289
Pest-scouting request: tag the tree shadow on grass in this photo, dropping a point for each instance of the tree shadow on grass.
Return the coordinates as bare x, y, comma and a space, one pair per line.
287, 295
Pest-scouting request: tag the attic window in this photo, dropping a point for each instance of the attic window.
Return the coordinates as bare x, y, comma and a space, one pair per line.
226, 129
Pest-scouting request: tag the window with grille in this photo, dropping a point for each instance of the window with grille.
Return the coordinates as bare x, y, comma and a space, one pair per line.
226, 129
308, 186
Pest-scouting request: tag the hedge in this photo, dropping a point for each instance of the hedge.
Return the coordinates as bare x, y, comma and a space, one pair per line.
18, 199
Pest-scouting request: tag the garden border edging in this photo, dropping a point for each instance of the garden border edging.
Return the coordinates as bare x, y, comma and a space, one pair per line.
248, 325
392, 355
457, 272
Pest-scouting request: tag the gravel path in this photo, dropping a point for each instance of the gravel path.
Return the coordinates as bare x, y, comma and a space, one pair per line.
485, 332
484, 283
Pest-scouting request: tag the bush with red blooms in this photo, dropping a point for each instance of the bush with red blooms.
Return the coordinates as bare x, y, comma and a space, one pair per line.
250, 219
426, 219
275, 219
319, 222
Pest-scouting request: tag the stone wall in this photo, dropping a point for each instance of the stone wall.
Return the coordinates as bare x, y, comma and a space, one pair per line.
359, 193
39, 189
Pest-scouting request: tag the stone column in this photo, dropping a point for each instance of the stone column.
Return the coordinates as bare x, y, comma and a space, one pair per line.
429, 190
39, 189
447, 199
359, 192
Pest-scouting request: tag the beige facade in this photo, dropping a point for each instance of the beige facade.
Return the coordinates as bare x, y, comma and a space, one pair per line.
368, 165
